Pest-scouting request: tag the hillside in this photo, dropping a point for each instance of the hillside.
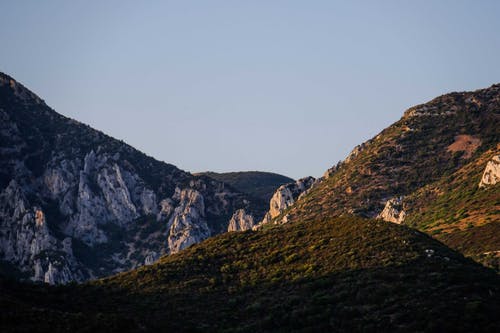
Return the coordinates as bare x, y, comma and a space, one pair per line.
255, 183
345, 274
77, 204
428, 164
461, 214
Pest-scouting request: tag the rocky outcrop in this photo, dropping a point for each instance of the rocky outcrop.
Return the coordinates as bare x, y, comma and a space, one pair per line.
151, 258
187, 225
167, 206
355, 152
241, 221
106, 193
27, 243
491, 174
284, 197
393, 211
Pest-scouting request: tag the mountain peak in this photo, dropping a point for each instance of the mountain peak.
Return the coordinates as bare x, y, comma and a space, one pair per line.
20, 91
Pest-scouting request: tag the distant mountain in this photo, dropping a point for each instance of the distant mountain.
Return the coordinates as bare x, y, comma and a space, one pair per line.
77, 204
335, 275
426, 171
255, 183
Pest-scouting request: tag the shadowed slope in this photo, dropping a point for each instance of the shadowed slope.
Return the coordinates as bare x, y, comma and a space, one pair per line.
345, 274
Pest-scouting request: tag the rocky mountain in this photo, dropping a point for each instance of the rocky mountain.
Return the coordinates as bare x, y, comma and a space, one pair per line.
258, 184
77, 204
336, 275
435, 169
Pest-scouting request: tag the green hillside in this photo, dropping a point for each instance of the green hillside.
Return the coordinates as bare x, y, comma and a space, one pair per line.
256, 183
345, 274
459, 213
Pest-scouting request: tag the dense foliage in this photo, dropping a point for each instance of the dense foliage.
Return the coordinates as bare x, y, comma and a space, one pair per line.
345, 274
256, 183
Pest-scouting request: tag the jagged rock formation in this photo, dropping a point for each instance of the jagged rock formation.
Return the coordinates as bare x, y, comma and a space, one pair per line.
393, 211
26, 240
76, 204
491, 174
241, 221
188, 223
284, 197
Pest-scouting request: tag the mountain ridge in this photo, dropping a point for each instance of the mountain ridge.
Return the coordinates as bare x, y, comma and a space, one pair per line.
259, 184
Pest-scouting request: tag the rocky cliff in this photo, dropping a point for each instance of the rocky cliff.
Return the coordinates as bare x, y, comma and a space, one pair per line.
393, 211
491, 174
76, 204
241, 221
284, 197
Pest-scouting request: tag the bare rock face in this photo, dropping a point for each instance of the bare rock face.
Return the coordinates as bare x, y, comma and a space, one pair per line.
285, 196
393, 211
241, 221
151, 258
167, 207
491, 174
187, 225
27, 241
106, 194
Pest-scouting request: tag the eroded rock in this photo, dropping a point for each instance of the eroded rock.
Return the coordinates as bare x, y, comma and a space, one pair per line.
491, 174
393, 211
187, 225
285, 196
241, 221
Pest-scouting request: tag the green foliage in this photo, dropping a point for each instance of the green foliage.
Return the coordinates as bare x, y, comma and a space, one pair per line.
345, 274
258, 184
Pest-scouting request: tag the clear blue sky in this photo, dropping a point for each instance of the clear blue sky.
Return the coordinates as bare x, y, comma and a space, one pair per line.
283, 86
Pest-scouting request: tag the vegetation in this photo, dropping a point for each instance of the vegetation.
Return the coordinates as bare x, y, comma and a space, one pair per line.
345, 274
255, 183
425, 157
459, 213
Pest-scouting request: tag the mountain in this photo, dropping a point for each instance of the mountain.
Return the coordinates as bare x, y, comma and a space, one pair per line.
255, 183
77, 204
344, 274
425, 171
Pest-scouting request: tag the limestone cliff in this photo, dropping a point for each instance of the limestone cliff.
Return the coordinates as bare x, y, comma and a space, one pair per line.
491, 174
188, 223
393, 211
241, 221
284, 197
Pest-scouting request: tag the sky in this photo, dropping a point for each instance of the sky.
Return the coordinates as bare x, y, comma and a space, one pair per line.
282, 86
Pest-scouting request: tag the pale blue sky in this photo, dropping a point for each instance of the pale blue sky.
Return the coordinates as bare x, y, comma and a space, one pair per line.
283, 86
